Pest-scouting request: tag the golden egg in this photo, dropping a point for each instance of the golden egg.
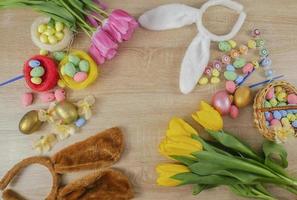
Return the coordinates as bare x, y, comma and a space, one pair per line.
66, 111
242, 97
30, 122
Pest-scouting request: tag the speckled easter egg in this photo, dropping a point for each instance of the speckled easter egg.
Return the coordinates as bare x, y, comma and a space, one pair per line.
221, 102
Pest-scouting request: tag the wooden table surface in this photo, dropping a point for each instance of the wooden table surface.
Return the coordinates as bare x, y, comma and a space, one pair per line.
138, 91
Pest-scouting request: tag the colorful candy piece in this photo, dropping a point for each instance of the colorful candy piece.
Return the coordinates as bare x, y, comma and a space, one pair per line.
273, 102
73, 59
268, 116
285, 122
284, 113
215, 80
252, 44
230, 87
203, 81
59, 55
269, 73
225, 46
80, 122
69, 69
207, 71
43, 52
239, 79
230, 75
215, 73
37, 72
267, 104
260, 43
217, 65
243, 49
34, 63
282, 96
270, 94
239, 63
256, 32
27, 99
230, 68
256, 64
248, 68
264, 52
60, 94
291, 117
278, 89
47, 97
226, 59
277, 115
275, 122
61, 84
234, 112
84, 66
80, 76
232, 43
294, 124
234, 54
36, 80
292, 99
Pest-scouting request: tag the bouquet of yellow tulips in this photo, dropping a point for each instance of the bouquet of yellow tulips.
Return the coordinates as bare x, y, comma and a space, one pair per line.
224, 161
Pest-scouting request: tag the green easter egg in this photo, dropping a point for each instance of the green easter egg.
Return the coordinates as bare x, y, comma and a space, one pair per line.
225, 46
36, 80
239, 63
282, 104
273, 102
73, 59
230, 75
59, 55
260, 42
37, 72
84, 66
69, 69
267, 104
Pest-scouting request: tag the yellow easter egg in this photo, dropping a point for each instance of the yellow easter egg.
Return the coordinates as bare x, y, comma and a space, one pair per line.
242, 97
30, 122
66, 112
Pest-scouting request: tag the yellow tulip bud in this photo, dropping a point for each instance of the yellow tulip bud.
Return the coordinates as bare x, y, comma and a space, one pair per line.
178, 127
166, 173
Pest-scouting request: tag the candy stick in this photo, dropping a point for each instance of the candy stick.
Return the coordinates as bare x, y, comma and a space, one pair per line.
267, 81
11, 80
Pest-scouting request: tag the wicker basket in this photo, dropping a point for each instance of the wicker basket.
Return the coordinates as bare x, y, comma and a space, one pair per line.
259, 110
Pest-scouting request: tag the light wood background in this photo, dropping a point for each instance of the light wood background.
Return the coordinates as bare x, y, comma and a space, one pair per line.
138, 91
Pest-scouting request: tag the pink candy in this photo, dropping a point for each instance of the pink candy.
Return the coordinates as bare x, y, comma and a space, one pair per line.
248, 68
275, 122
80, 76
292, 99
270, 94
234, 112
47, 97
27, 99
230, 87
60, 95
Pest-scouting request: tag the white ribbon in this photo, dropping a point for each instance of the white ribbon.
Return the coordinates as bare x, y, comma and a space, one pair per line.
173, 16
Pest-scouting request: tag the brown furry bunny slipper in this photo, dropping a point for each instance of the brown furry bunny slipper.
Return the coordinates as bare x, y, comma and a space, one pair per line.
101, 150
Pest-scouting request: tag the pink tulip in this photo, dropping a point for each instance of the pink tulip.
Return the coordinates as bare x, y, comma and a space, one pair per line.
103, 42
95, 54
120, 25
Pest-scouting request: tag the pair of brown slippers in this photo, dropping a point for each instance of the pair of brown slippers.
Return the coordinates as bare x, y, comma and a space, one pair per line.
97, 152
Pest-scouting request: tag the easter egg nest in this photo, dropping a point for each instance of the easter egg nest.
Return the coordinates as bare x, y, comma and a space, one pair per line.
259, 109
50, 77
92, 74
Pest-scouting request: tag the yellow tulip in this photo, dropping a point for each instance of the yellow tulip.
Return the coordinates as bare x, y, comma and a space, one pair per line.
167, 171
208, 117
179, 146
178, 127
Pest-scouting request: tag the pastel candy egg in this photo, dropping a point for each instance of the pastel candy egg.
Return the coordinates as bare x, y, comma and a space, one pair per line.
234, 53
273, 102
256, 32
230, 75
256, 64
277, 115
269, 73
294, 124
267, 104
282, 104
226, 59
232, 43
260, 42
239, 79
284, 113
268, 116
248, 68
207, 71
84, 66
230, 68
37, 72
61, 83
278, 89
60, 94
203, 81
221, 102
234, 112
36, 80
281, 96
239, 63
69, 69
285, 122
270, 94
73, 59
225, 46
275, 122
80, 122
80, 76
215, 80
59, 55
243, 49
27, 99
292, 99
47, 97
215, 73
230, 87
291, 117
252, 44
34, 63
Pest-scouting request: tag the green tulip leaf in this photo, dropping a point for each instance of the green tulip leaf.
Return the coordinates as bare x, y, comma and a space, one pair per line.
273, 150
198, 188
185, 160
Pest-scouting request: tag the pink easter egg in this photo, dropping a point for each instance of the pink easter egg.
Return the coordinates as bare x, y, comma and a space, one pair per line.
80, 76
27, 99
60, 94
221, 102
275, 122
230, 87
234, 112
270, 94
248, 68
292, 99
47, 97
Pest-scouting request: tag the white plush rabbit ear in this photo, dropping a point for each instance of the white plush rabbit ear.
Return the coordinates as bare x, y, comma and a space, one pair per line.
169, 16
194, 63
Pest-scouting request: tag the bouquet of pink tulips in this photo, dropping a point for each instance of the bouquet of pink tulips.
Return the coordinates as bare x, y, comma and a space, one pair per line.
105, 30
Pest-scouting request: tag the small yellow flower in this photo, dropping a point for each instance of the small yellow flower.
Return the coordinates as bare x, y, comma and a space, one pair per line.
45, 143
179, 146
208, 117
84, 106
282, 133
167, 171
178, 127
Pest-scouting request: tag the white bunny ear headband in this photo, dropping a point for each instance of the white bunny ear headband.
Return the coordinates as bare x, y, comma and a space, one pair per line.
173, 16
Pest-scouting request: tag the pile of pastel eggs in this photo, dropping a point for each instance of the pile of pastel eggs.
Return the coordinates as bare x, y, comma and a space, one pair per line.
37, 71
278, 97
51, 33
76, 68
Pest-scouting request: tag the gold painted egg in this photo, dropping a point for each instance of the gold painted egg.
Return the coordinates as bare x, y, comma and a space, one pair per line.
66, 111
30, 122
242, 97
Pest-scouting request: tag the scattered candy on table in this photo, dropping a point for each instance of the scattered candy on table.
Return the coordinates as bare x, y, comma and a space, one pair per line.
27, 99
